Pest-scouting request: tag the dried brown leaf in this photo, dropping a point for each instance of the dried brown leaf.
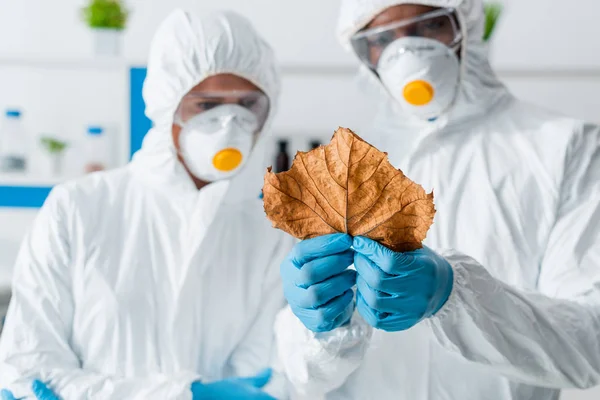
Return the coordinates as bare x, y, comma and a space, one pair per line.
348, 186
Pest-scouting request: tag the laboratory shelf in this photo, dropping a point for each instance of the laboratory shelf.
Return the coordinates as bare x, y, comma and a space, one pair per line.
24, 191
29, 180
30, 191
91, 63
23, 196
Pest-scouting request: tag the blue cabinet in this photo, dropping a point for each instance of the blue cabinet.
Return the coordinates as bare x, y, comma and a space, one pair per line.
140, 124
23, 196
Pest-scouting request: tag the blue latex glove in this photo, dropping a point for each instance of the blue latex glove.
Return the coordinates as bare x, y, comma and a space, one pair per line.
40, 390
234, 388
317, 283
397, 290
7, 395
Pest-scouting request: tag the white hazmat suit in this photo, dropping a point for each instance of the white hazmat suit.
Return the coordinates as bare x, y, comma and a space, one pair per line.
132, 283
517, 192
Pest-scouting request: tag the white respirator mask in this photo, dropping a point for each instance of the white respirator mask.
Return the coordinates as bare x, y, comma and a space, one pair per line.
421, 74
216, 144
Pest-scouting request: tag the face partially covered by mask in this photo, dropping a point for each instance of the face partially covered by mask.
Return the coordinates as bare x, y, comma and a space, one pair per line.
416, 60
219, 131
421, 74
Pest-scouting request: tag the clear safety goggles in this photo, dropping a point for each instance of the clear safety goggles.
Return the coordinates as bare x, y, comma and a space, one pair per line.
440, 25
195, 103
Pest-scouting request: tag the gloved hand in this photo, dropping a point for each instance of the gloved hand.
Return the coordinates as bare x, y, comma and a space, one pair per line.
397, 290
234, 388
317, 283
40, 390
7, 395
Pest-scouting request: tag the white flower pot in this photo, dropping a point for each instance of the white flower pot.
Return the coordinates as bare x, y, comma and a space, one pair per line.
57, 161
107, 42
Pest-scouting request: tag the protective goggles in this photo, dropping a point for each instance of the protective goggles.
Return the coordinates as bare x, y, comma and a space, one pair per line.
440, 25
195, 103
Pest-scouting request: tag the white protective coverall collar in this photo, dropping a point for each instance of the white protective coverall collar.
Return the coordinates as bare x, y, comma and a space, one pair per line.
517, 192
132, 284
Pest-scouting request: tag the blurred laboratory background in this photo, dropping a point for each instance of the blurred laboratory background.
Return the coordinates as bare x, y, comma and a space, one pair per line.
70, 90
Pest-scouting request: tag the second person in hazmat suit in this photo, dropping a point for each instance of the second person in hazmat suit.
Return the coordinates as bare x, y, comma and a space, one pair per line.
504, 302
160, 280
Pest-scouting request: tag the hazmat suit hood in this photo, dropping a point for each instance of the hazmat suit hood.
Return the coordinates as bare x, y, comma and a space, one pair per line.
479, 87
186, 50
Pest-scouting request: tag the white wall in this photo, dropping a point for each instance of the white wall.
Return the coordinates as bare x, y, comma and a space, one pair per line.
546, 51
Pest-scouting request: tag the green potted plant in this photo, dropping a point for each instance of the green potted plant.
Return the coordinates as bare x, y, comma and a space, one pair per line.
493, 10
55, 149
107, 19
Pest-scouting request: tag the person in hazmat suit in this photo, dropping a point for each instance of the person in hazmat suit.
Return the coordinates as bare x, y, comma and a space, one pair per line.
160, 280
503, 302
